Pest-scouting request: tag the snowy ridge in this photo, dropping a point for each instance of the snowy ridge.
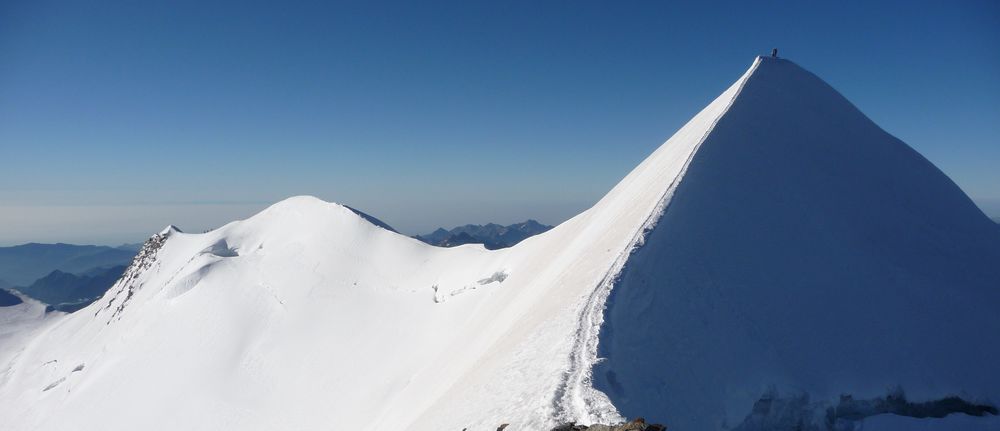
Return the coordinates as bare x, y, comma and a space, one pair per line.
808, 255
309, 316
129, 283
577, 399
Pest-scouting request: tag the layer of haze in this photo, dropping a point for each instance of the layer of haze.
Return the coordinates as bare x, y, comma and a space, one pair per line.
119, 117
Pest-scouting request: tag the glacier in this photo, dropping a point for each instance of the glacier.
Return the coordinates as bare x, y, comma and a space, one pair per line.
778, 243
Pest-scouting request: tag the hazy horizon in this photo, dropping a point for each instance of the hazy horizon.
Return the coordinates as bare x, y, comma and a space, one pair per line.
113, 123
225, 213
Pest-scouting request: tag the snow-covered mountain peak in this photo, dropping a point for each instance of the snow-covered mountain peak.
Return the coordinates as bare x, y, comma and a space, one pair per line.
805, 250
302, 203
307, 220
779, 239
766, 61
309, 212
308, 207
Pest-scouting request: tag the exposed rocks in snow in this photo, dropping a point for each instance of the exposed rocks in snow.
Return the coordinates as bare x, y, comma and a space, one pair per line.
638, 424
142, 261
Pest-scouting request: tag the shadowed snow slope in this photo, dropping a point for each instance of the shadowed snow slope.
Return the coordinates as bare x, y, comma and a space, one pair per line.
806, 250
307, 316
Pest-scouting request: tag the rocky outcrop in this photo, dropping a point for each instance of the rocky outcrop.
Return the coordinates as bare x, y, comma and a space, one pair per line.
638, 424
128, 284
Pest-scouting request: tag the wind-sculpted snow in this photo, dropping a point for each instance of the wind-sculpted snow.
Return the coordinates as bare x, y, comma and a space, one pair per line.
309, 316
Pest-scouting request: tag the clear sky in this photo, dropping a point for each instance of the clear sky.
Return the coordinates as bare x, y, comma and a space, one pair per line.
118, 117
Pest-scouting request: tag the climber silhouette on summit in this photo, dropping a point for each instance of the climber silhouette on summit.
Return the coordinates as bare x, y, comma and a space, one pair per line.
774, 53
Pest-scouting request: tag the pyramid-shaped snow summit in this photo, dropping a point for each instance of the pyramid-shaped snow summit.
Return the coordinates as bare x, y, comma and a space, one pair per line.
780, 261
807, 254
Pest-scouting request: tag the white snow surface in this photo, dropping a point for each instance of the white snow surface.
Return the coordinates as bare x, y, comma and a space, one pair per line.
307, 316
18, 324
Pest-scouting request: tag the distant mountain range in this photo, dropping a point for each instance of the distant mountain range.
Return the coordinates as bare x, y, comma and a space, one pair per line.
493, 236
67, 277
69, 292
23, 264
64, 276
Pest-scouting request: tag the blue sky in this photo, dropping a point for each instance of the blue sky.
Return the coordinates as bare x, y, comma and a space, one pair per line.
117, 118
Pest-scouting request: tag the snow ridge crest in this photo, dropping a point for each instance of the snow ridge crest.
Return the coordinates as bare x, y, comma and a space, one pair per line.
577, 400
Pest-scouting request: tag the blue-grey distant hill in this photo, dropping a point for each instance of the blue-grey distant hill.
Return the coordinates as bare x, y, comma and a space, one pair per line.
68, 292
491, 236
23, 264
66, 277
134, 248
